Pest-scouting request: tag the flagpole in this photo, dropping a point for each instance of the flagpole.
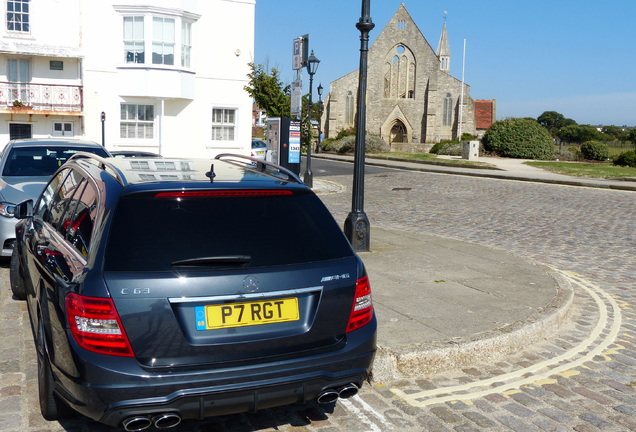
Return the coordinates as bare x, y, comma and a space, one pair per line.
461, 99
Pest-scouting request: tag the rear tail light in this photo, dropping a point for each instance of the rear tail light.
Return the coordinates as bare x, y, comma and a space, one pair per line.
362, 310
224, 193
95, 325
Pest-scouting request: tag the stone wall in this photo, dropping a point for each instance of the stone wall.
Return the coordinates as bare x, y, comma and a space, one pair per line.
411, 147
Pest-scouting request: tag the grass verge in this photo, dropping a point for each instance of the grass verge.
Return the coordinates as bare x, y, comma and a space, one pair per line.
586, 169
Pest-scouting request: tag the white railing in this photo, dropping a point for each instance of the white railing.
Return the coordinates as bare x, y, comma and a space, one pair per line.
41, 97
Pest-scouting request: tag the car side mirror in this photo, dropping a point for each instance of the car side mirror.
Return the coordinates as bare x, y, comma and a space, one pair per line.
24, 209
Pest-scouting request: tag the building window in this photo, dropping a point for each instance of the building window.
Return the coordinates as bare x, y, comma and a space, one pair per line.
186, 43
137, 121
163, 41
447, 119
223, 124
163, 33
400, 73
165, 166
56, 65
63, 129
19, 77
140, 165
349, 108
401, 25
18, 16
19, 70
20, 130
134, 39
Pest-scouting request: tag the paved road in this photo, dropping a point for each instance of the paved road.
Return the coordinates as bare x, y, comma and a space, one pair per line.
588, 233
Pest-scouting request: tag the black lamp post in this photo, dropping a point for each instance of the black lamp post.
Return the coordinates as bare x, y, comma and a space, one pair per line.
356, 225
312, 67
319, 148
103, 119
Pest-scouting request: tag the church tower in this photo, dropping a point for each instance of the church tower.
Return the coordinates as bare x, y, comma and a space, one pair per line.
443, 50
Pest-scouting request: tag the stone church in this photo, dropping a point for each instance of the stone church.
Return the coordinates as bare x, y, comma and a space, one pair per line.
411, 96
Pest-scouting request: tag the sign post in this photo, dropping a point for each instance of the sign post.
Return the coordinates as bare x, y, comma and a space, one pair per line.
299, 60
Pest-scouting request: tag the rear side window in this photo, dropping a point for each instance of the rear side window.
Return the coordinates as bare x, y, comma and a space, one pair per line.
150, 233
78, 228
44, 206
65, 198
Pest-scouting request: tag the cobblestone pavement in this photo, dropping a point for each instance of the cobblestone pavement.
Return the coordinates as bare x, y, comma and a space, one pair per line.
582, 379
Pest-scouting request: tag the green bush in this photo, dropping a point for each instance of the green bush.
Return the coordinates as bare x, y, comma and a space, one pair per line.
345, 132
627, 158
519, 138
595, 150
451, 148
440, 145
326, 144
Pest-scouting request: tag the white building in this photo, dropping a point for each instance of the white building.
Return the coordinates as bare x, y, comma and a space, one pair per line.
165, 76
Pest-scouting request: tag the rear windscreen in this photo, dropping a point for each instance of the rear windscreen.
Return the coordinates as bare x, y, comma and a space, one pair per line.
42, 161
150, 233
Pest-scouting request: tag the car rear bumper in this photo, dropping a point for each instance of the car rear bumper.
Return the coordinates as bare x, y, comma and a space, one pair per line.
212, 401
114, 391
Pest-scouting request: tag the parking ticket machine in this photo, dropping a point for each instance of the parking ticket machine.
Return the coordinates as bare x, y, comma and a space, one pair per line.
283, 142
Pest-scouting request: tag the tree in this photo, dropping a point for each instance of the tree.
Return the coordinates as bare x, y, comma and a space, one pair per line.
519, 138
269, 93
551, 120
615, 133
554, 121
579, 134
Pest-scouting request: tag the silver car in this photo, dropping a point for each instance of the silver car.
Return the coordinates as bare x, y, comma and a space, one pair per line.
26, 165
259, 149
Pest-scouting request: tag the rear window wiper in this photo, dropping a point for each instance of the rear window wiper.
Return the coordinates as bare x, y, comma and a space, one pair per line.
214, 260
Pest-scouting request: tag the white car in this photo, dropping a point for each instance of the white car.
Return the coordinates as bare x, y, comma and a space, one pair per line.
26, 165
259, 149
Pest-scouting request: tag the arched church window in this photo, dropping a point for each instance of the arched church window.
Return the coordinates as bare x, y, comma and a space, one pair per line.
387, 80
447, 118
350, 103
411, 83
399, 74
403, 77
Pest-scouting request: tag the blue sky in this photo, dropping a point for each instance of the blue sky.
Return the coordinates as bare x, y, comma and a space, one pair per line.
577, 57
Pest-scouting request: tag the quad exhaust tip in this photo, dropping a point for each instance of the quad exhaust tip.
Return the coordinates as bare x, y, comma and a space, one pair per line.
139, 423
160, 421
332, 395
348, 391
167, 420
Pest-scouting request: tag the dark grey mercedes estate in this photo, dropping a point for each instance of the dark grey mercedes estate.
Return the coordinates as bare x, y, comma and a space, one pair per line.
152, 300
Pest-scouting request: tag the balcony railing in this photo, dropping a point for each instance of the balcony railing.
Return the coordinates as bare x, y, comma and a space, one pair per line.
41, 97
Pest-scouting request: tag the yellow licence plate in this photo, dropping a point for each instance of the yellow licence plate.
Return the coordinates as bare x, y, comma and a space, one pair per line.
247, 314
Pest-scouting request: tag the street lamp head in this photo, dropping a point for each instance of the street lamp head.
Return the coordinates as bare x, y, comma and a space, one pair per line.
312, 64
319, 89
